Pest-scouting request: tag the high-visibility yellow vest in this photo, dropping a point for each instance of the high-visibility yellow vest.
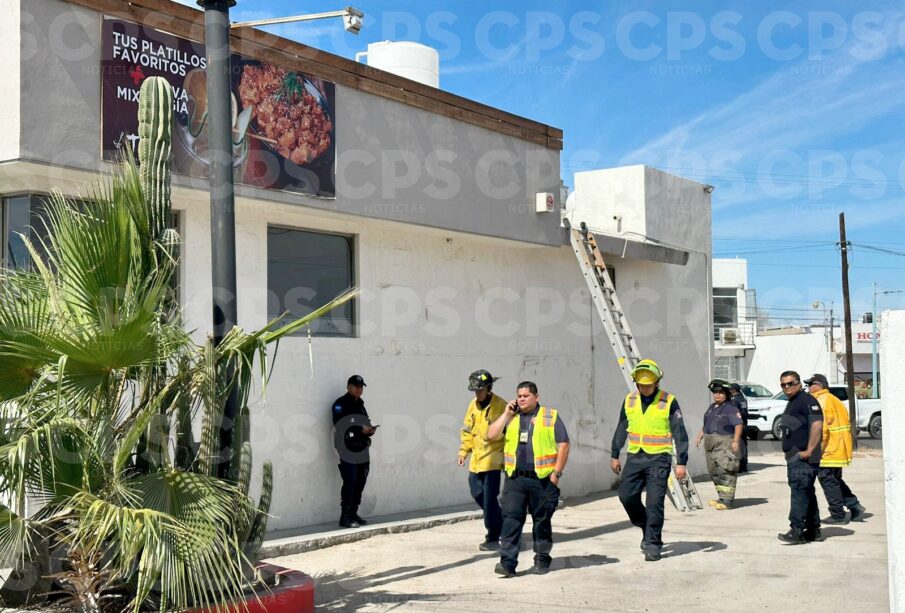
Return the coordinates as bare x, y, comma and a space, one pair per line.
649, 431
543, 441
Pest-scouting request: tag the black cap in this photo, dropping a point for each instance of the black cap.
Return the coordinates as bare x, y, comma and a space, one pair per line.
818, 379
356, 380
735, 387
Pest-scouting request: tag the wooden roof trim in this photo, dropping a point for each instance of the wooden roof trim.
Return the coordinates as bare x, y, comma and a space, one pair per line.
187, 22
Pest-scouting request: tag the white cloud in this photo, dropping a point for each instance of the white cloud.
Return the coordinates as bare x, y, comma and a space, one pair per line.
774, 135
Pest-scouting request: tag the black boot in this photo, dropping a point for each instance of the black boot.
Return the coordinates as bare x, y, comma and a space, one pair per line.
347, 519
813, 535
358, 518
793, 537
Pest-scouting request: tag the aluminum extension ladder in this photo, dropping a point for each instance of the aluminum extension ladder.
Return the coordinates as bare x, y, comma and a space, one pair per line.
683, 493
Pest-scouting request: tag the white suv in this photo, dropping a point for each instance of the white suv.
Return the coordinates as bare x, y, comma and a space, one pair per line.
764, 412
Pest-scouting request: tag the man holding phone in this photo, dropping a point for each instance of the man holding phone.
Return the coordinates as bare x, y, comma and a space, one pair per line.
352, 432
535, 452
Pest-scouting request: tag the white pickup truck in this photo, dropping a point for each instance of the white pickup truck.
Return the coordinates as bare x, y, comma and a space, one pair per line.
764, 411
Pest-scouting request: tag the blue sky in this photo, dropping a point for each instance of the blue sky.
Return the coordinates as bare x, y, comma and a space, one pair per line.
794, 114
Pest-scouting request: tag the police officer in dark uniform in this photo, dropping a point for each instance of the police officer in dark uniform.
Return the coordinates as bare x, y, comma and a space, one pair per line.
802, 431
352, 432
739, 400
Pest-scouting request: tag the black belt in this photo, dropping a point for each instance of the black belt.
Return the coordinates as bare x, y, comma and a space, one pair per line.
526, 473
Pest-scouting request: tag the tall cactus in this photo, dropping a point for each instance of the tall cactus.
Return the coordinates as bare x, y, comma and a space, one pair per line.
212, 402
243, 472
259, 525
155, 130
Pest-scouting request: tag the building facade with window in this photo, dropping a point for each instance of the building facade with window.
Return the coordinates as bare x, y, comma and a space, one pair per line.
445, 212
734, 319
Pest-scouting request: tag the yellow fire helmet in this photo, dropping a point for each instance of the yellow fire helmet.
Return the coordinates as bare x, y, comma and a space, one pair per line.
647, 372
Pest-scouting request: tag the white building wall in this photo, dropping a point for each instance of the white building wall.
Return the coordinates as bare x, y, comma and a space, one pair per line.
893, 327
10, 51
435, 306
804, 353
730, 272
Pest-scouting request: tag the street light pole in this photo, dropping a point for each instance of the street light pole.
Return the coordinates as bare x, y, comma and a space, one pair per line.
222, 199
873, 346
223, 206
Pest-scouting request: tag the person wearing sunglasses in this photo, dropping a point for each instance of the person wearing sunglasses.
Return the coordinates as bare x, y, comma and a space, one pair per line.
802, 431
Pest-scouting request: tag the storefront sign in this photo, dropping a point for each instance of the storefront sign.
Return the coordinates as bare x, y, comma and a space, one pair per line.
284, 132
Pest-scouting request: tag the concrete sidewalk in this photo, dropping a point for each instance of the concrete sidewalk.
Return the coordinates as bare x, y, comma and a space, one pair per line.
713, 560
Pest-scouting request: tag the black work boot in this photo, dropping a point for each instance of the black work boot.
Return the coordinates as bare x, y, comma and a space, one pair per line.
347, 519
835, 521
857, 512
792, 537
358, 518
813, 535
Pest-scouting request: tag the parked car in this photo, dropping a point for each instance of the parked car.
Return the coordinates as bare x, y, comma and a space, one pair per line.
764, 413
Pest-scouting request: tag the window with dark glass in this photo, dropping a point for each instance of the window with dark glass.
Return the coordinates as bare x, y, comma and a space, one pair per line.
725, 306
305, 270
22, 217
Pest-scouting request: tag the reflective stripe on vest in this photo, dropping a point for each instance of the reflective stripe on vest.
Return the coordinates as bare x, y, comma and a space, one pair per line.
543, 442
649, 430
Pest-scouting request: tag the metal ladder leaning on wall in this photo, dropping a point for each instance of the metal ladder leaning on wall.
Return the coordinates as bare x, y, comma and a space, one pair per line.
683, 493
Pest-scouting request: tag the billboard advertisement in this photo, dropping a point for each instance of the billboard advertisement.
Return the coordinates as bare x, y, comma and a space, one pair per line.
284, 130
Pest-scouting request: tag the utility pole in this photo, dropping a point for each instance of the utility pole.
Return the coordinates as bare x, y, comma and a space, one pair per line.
834, 363
222, 198
873, 346
849, 358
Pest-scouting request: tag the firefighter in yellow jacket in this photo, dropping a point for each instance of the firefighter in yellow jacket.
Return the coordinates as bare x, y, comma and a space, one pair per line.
837, 453
536, 448
486, 464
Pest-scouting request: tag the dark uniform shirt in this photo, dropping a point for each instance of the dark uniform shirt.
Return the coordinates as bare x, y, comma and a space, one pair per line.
676, 427
722, 418
741, 402
524, 454
802, 410
349, 417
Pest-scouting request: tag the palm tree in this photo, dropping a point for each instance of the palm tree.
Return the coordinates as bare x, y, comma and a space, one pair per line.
105, 493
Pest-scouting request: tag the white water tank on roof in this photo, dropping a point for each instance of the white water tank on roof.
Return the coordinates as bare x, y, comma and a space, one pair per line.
410, 60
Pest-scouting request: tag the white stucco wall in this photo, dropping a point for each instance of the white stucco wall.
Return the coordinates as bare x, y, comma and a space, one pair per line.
436, 306
10, 51
803, 353
730, 272
610, 200
893, 331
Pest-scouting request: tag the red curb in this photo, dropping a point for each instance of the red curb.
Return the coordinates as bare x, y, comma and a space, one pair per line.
293, 594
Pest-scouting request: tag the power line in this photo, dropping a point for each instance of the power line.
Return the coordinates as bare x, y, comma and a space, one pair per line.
827, 266
880, 249
785, 240
809, 249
